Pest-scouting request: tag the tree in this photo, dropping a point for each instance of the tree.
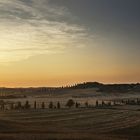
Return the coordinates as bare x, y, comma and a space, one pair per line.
103, 103
12, 106
77, 105
58, 105
35, 105
2, 103
70, 103
86, 104
114, 102
97, 104
109, 103
51, 105
27, 105
19, 106
2, 106
43, 105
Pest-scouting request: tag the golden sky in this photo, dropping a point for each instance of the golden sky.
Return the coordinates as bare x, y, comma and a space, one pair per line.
47, 43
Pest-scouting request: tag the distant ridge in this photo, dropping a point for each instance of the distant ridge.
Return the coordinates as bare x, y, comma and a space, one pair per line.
87, 85
99, 87
108, 87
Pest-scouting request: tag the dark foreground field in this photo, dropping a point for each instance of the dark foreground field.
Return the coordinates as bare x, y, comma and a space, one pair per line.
70, 124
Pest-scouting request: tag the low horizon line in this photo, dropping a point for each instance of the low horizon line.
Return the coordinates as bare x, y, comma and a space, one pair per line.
70, 85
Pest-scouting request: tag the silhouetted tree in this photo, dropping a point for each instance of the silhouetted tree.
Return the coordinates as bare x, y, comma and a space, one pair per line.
114, 102
51, 105
97, 103
43, 105
19, 106
77, 105
109, 103
35, 105
58, 105
27, 105
70, 103
86, 104
103, 103
2, 103
12, 106
2, 106
138, 101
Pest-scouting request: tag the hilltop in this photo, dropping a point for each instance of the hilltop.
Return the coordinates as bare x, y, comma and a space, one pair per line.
100, 87
108, 87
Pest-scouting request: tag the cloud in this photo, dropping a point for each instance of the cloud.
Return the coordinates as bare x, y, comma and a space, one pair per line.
33, 27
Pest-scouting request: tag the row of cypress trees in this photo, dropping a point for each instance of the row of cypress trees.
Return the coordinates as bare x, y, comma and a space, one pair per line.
69, 104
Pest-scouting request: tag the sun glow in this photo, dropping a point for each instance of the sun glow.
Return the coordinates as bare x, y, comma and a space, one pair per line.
45, 44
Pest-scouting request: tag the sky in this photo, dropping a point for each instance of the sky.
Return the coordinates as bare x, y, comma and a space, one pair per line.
62, 42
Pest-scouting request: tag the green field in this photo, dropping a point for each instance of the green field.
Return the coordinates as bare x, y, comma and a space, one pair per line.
70, 124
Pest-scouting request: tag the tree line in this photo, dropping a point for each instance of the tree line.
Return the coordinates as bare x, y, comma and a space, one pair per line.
69, 104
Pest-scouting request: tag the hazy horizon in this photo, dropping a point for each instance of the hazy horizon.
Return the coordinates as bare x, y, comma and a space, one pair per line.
62, 42
66, 85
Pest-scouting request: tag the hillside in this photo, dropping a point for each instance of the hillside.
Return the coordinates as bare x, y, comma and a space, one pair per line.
88, 89
108, 87
70, 124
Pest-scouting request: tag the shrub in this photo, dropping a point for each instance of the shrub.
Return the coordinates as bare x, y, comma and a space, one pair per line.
70, 103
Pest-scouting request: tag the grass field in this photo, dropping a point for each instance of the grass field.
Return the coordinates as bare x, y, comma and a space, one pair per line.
70, 124
117, 123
